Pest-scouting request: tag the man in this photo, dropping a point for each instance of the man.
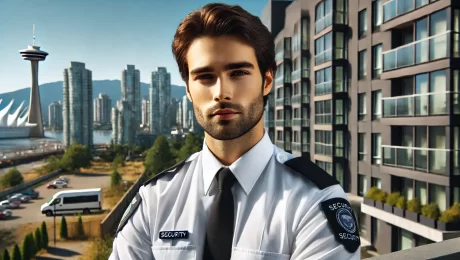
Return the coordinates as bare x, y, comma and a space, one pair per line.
241, 197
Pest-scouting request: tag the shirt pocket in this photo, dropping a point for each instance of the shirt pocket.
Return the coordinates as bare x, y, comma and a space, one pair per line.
250, 254
174, 252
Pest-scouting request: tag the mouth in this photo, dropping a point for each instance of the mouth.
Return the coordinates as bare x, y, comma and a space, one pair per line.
224, 114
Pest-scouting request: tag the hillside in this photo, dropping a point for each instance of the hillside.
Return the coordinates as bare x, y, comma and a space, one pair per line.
50, 92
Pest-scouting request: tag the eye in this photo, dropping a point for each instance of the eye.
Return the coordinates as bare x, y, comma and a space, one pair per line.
205, 77
238, 73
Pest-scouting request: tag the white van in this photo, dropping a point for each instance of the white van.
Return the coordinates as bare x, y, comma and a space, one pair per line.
73, 201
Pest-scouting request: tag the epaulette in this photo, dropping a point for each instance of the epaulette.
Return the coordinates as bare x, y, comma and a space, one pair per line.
171, 170
313, 172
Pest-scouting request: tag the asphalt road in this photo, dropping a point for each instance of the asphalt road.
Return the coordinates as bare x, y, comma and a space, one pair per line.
30, 212
23, 168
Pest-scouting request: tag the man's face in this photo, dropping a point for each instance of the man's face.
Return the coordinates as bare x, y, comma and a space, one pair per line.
225, 86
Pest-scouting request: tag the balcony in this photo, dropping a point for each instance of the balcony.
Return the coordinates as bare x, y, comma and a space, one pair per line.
270, 123
279, 122
323, 57
429, 160
279, 101
301, 122
300, 99
445, 250
395, 8
325, 88
287, 146
417, 52
323, 119
426, 104
300, 147
279, 81
299, 74
323, 149
323, 22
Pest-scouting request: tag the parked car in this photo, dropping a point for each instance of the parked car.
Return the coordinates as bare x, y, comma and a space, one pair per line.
23, 198
16, 199
2, 215
6, 212
32, 193
63, 179
56, 184
10, 205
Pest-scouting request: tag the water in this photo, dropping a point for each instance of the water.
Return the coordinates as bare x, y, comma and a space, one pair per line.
99, 137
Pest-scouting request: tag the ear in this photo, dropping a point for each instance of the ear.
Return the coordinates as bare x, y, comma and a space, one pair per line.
268, 82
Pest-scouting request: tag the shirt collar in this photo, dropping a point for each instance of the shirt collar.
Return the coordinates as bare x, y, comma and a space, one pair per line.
246, 169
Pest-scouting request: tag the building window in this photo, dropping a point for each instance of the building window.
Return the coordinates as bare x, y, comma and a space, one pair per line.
323, 49
340, 117
376, 148
376, 104
279, 135
377, 61
323, 112
361, 106
377, 14
323, 142
362, 185
362, 23
405, 239
339, 175
323, 17
438, 196
456, 135
361, 146
323, 81
326, 166
362, 68
376, 182
339, 143
421, 192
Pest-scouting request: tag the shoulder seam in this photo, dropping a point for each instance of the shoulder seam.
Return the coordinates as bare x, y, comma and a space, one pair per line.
173, 169
313, 172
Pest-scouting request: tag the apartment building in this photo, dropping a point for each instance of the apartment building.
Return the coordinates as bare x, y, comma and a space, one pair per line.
369, 90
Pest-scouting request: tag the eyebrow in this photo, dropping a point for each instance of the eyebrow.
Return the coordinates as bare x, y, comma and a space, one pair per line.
230, 66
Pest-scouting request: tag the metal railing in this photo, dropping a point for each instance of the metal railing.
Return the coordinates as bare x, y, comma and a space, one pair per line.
424, 50
425, 104
395, 8
417, 158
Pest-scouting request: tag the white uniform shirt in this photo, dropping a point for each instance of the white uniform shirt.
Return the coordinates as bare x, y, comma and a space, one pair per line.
278, 215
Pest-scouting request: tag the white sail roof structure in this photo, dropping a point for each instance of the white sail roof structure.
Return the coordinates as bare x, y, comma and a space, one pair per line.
13, 120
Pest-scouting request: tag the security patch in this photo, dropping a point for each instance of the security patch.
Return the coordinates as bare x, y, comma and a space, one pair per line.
129, 212
343, 222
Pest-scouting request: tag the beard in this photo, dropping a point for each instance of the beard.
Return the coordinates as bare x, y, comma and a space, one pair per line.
235, 128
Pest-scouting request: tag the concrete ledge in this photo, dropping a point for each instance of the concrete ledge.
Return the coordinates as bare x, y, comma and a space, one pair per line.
409, 225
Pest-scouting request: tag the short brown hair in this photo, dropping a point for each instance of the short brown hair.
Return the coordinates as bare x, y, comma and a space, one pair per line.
217, 19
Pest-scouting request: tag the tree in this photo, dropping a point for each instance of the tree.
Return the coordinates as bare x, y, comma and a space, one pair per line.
12, 178
63, 232
53, 163
80, 228
38, 239
75, 157
117, 161
16, 255
44, 233
27, 248
6, 255
193, 144
159, 157
115, 179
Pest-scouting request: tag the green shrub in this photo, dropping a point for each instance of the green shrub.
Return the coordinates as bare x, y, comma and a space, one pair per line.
431, 211
372, 192
28, 247
6, 255
16, 255
63, 232
103, 248
80, 228
115, 179
44, 233
413, 205
381, 196
12, 178
401, 202
393, 198
38, 239
449, 215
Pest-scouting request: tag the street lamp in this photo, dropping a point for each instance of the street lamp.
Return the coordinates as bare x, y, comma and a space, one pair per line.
54, 216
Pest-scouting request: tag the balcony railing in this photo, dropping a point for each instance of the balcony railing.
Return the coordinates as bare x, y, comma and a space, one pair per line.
279, 81
300, 147
425, 104
323, 57
324, 149
279, 122
395, 8
323, 22
270, 123
300, 99
298, 74
300, 122
325, 88
417, 158
279, 101
323, 119
428, 49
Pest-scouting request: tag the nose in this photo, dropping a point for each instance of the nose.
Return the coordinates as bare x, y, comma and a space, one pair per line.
222, 90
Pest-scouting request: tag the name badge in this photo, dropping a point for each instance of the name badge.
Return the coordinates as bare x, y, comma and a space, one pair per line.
173, 234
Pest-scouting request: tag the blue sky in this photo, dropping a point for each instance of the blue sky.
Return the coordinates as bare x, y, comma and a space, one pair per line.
105, 34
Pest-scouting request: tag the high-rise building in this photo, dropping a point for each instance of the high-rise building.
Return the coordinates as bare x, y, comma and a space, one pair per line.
186, 109
115, 118
160, 101
173, 112
102, 109
145, 111
383, 109
179, 115
55, 116
77, 108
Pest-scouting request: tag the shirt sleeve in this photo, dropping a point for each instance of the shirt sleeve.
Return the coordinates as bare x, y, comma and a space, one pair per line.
318, 237
133, 240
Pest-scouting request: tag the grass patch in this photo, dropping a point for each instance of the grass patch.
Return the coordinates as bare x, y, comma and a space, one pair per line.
111, 196
99, 249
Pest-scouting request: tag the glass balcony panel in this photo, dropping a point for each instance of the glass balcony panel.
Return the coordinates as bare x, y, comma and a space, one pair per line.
420, 104
323, 22
323, 119
421, 159
280, 144
305, 73
279, 81
279, 57
404, 157
296, 99
305, 147
438, 47
420, 3
296, 146
323, 88
279, 122
438, 161
389, 61
404, 6
389, 10
306, 99
287, 101
405, 56
421, 52
324, 149
395, 8
306, 122
279, 101
340, 86
389, 107
438, 104
323, 57
404, 106
287, 146
295, 75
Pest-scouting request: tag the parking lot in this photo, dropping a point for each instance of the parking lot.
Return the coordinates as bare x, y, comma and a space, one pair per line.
30, 212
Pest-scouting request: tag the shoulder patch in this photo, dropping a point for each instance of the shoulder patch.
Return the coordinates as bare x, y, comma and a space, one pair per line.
129, 212
173, 169
313, 172
343, 222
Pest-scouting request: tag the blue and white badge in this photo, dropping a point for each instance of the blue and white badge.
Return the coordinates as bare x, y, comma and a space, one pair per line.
346, 220
183, 234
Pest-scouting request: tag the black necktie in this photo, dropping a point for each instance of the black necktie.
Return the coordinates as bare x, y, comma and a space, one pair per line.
219, 232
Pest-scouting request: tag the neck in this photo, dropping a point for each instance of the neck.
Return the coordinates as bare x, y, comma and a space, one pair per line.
228, 151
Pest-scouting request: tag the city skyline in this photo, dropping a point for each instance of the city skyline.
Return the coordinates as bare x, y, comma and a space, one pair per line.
94, 45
